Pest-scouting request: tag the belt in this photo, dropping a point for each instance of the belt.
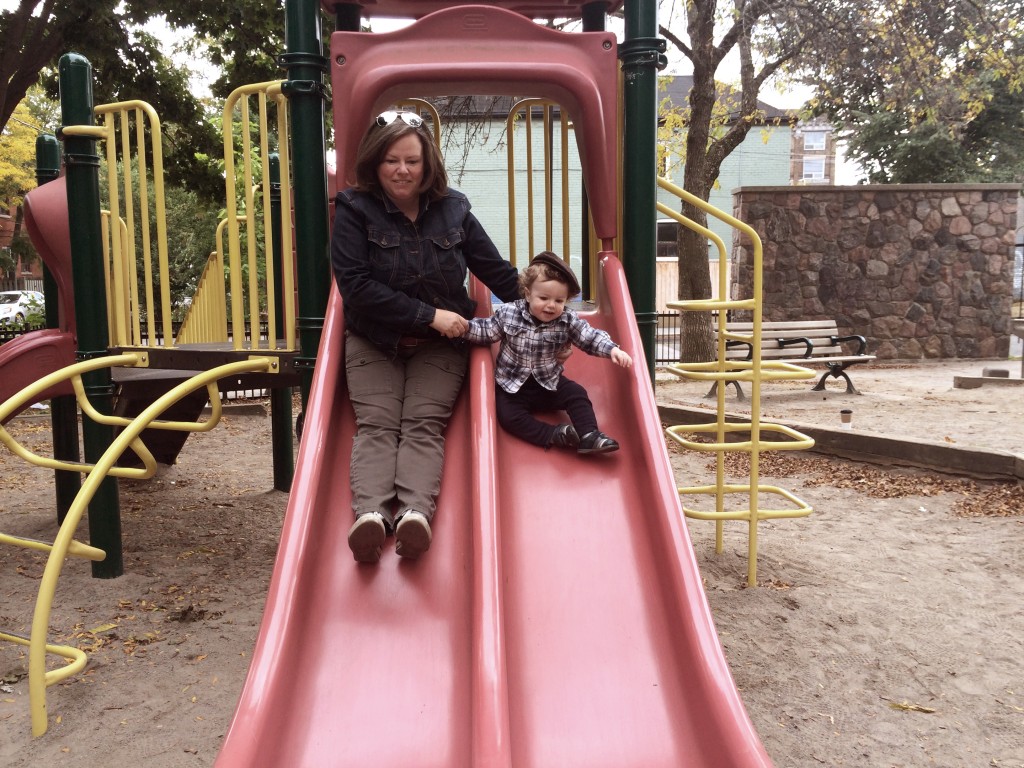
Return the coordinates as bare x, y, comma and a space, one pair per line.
412, 341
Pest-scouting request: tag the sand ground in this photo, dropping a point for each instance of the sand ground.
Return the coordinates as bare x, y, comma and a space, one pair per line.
886, 629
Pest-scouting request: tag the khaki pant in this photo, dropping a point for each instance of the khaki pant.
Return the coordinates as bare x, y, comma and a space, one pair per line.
402, 407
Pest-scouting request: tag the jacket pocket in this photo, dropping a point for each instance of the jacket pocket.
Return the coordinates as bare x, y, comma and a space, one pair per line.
385, 249
449, 259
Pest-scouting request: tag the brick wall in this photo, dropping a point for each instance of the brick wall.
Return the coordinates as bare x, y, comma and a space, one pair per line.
923, 271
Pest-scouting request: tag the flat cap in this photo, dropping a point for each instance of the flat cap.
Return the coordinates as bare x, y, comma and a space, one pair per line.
559, 267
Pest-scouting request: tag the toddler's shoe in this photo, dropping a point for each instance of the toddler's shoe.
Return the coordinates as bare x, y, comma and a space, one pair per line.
366, 537
412, 535
565, 436
597, 442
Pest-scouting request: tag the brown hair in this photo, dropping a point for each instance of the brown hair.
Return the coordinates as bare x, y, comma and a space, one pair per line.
378, 140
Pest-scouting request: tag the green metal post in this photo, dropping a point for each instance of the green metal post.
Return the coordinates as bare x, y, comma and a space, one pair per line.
63, 409
642, 54
83, 165
280, 397
306, 65
347, 17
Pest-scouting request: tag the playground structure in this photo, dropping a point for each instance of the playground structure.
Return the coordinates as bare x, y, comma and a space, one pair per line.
522, 639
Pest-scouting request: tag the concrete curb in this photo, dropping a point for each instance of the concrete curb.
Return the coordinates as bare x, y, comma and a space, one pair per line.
879, 449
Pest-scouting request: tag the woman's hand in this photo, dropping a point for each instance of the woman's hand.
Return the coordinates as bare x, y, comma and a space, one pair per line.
449, 324
563, 354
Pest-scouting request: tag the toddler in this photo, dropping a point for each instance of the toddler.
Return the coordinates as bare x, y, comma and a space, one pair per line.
528, 373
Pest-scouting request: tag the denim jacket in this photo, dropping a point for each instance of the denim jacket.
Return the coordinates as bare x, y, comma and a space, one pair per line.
393, 273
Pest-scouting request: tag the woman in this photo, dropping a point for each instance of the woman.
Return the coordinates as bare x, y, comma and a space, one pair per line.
401, 245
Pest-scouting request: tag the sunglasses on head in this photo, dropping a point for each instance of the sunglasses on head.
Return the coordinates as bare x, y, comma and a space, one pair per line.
409, 118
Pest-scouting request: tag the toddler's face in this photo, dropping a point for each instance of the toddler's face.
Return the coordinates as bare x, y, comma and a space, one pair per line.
546, 299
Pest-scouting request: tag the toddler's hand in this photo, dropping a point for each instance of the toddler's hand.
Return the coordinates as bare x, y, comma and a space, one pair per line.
621, 359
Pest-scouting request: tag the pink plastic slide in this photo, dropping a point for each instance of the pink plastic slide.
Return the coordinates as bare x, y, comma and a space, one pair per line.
557, 620
31, 356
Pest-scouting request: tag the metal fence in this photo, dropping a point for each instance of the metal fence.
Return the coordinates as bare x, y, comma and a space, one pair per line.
667, 337
21, 284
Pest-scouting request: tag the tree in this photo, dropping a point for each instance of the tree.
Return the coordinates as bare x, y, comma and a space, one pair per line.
937, 95
17, 157
242, 38
920, 72
766, 36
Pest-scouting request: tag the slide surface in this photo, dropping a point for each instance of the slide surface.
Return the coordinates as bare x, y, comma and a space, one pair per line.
557, 620
26, 359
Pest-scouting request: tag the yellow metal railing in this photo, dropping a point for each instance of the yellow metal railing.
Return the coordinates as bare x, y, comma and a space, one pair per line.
207, 317
134, 228
64, 544
527, 106
246, 299
124, 128
722, 371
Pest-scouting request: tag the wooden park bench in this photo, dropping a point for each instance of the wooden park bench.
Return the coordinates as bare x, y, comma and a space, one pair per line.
800, 342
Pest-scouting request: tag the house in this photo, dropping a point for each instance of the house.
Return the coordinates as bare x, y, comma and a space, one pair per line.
813, 153
480, 141
14, 274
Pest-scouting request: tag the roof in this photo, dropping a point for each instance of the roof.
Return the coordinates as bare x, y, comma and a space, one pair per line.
677, 89
414, 9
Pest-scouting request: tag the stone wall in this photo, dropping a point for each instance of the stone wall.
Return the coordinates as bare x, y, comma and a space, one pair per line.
922, 271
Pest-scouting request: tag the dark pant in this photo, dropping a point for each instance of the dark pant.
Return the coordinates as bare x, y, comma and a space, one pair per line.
514, 410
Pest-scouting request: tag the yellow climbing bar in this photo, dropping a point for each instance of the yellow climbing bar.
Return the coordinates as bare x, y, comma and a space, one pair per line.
64, 544
722, 371
75, 549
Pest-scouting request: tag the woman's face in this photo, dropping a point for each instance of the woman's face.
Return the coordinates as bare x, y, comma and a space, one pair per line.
400, 173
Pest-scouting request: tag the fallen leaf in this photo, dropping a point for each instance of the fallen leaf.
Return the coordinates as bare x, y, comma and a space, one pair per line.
908, 707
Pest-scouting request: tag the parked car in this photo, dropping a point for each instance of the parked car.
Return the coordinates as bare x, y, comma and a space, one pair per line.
15, 306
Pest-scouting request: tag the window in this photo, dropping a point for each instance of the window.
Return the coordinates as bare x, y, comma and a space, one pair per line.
814, 168
814, 140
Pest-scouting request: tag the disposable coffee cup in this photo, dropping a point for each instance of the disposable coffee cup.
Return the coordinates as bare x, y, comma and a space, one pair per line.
846, 418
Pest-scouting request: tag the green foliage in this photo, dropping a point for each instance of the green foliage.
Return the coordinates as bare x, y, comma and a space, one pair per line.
932, 93
21, 247
17, 157
35, 314
191, 237
240, 39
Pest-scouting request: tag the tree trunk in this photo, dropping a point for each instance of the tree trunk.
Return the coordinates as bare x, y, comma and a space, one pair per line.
697, 343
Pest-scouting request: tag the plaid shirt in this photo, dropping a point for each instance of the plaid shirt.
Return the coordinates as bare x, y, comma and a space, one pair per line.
529, 346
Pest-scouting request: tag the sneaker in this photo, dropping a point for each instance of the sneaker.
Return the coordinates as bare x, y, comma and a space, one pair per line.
597, 442
366, 537
412, 535
565, 436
